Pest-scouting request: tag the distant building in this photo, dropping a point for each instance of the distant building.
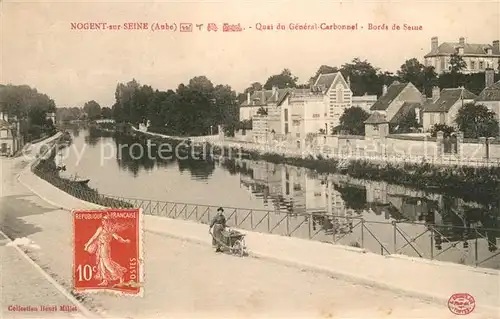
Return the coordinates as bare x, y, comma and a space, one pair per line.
51, 116
444, 106
365, 101
490, 96
478, 57
10, 135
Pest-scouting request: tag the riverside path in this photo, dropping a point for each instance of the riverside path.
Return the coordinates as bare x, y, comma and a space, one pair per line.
184, 279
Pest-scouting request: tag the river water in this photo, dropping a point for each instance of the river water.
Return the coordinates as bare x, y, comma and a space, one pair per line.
284, 200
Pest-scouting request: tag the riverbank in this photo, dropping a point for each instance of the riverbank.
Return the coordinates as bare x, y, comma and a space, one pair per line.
45, 167
396, 274
477, 183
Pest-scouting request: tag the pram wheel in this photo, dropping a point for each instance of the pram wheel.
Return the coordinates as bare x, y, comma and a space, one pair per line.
238, 248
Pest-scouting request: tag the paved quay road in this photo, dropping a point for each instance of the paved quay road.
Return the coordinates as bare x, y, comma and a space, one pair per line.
26, 293
187, 280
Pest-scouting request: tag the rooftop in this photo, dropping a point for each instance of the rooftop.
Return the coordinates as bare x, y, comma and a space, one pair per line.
376, 118
385, 100
447, 98
449, 48
491, 93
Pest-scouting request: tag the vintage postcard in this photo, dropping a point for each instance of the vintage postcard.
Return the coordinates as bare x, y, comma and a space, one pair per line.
250, 159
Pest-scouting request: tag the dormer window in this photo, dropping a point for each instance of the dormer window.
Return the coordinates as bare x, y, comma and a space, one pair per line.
489, 51
461, 50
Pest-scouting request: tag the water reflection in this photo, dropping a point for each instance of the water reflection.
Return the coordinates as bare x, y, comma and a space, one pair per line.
300, 191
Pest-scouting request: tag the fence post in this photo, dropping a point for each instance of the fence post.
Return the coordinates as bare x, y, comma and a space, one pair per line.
362, 233
395, 236
287, 224
475, 250
432, 243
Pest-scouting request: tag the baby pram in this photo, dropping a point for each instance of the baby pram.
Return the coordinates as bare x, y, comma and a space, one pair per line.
232, 241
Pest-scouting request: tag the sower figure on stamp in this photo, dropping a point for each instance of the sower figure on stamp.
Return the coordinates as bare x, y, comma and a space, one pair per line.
100, 245
218, 224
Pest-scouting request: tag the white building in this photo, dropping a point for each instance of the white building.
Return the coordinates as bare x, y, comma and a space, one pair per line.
365, 101
478, 57
445, 106
337, 96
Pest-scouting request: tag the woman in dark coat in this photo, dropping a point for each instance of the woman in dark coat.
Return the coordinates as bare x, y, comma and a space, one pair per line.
219, 224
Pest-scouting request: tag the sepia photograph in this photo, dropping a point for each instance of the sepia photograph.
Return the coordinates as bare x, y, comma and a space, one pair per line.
250, 159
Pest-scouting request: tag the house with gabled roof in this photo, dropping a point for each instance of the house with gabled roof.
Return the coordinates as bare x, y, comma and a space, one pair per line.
490, 95
270, 122
10, 137
337, 96
444, 106
478, 57
394, 104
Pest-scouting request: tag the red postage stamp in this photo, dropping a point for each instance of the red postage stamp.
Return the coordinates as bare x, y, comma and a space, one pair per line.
107, 247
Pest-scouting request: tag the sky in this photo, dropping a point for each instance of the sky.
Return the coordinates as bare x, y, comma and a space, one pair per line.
38, 47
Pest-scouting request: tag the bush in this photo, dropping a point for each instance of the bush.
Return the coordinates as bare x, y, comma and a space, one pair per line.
446, 129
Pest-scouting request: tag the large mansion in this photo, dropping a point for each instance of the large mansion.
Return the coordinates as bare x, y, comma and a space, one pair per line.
478, 57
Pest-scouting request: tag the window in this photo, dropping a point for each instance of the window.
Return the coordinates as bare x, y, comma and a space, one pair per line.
4, 133
315, 116
481, 65
287, 188
286, 128
286, 115
442, 63
375, 127
340, 95
296, 187
442, 118
472, 65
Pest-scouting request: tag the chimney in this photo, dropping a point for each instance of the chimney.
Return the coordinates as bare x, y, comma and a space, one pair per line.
489, 77
248, 98
275, 90
434, 44
496, 46
384, 90
461, 41
435, 93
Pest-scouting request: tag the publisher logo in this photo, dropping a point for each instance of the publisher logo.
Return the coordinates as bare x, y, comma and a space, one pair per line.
186, 27
461, 304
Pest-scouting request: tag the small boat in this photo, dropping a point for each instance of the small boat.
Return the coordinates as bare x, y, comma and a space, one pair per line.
82, 181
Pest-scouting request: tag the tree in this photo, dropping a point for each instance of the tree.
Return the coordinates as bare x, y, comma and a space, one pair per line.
93, 110
424, 78
407, 123
457, 64
106, 113
363, 77
352, 120
255, 86
446, 129
283, 80
476, 120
